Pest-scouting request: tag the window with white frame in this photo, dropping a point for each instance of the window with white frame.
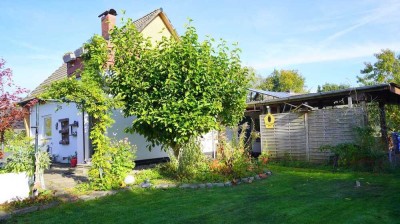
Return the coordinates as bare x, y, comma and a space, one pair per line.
47, 126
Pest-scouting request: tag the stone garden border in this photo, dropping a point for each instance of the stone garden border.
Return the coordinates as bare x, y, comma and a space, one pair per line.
147, 183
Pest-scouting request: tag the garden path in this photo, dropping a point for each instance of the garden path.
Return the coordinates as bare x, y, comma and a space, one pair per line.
61, 179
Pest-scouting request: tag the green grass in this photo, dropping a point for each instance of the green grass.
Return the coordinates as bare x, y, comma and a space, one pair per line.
291, 195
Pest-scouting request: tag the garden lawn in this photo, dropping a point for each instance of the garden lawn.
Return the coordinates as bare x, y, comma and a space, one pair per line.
290, 195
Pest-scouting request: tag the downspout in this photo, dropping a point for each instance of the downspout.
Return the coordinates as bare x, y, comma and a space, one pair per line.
37, 129
83, 133
213, 143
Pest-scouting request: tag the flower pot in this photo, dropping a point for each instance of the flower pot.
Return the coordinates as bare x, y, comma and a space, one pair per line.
74, 161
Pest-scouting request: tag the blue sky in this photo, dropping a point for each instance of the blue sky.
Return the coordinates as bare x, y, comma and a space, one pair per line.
327, 41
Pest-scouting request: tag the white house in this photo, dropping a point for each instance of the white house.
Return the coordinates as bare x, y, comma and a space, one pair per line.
64, 129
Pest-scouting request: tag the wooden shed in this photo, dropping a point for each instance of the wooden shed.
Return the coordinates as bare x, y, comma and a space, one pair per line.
301, 124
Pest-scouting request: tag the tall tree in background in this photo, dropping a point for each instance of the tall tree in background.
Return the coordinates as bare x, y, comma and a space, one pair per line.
331, 87
255, 80
284, 80
385, 70
10, 95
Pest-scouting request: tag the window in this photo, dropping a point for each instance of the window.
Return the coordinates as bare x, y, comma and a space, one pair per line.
47, 126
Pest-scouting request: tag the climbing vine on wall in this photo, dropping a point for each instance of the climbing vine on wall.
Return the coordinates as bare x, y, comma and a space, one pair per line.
90, 95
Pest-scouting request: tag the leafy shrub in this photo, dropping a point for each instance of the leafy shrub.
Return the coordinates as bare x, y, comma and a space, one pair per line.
366, 153
119, 159
189, 164
14, 140
234, 155
22, 159
233, 160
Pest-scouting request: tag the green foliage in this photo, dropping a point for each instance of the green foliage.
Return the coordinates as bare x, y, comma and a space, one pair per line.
91, 95
189, 165
13, 138
42, 160
119, 157
263, 158
15, 141
284, 80
365, 153
255, 80
233, 157
386, 69
151, 175
177, 89
331, 87
22, 159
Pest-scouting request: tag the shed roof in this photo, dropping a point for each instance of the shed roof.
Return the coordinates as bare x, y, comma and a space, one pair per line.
387, 92
271, 93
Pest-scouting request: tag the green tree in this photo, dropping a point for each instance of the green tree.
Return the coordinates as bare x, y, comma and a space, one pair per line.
255, 80
331, 87
386, 69
177, 89
91, 95
284, 80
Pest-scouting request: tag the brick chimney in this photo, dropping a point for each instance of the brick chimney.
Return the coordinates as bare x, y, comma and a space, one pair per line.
107, 22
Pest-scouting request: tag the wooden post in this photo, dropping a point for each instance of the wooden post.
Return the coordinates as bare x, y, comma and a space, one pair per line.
307, 143
365, 112
382, 114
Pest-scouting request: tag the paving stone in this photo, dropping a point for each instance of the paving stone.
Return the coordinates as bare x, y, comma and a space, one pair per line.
85, 197
49, 205
194, 186
202, 185
185, 186
209, 185
218, 184
172, 185
161, 186
145, 185
263, 176
25, 210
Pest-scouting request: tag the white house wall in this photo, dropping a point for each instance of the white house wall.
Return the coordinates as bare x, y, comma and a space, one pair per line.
117, 132
207, 141
64, 111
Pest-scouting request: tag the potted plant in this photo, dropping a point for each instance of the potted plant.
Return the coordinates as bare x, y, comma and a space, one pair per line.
73, 160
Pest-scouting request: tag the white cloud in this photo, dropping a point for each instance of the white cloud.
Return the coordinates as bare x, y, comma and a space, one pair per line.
383, 12
316, 55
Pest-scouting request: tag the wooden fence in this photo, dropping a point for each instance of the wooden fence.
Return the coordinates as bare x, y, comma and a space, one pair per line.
300, 135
